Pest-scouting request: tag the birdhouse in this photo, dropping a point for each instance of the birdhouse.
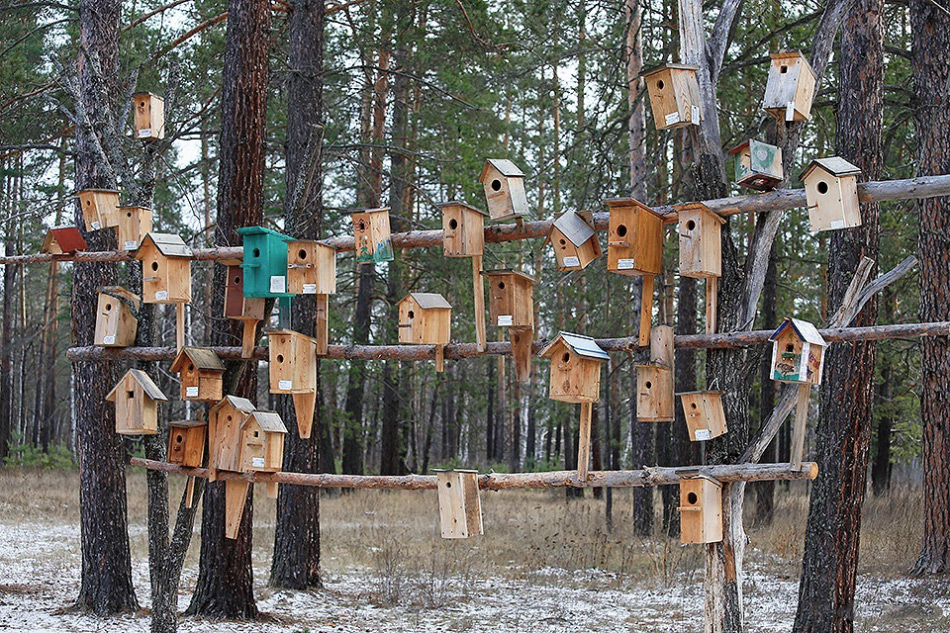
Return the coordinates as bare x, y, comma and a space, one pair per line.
575, 367
700, 510
791, 87
705, 417
831, 189
265, 262
311, 268
574, 240
674, 95
654, 393
510, 298
116, 317
797, 352
166, 268
225, 421
186, 442
200, 371
758, 165
136, 404
263, 442
134, 224
699, 238
460, 509
373, 236
250, 310
504, 189
463, 230
100, 208
425, 318
293, 362
635, 245
63, 240
149, 118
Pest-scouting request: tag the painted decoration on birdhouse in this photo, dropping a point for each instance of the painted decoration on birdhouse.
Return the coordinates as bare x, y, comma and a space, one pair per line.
797, 352
505, 195
831, 191
674, 95
758, 165
373, 236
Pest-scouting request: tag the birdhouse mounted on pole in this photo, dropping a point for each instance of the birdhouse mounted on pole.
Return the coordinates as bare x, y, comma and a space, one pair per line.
148, 119
201, 373
166, 268
186, 442
758, 165
700, 509
831, 191
463, 235
373, 236
249, 310
701, 252
293, 370
133, 225
265, 262
705, 417
311, 270
511, 305
136, 400
63, 240
503, 182
674, 95
574, 240
116, 317
655, 389
100, 208
425, 318
460, 508
791, 87
797, 352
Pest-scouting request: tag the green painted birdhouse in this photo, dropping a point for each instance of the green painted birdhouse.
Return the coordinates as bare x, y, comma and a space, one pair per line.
265, 262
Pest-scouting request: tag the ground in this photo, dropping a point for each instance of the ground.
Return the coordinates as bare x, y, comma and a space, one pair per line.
544, 565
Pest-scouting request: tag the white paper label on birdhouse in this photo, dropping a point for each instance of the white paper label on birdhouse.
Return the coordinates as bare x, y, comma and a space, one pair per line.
672, 118
145, 133
95, 226
310, 289
278, 283
108, 340
130, 246
702, 434
624, 264
191, 392
837, 224
285, 384
505, 319
695, 114
790, 111
257, 462
161, 295
572, 261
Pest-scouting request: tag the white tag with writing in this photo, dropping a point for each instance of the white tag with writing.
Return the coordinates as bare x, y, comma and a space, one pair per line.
837, 224
95, 226
702, 434
572, 261
285, 384
161, 295
191, 392
130, 246
672, 118
695, 118
257, 462
505, 319
108, 340
145, 133
310, 289
624, 264
790, 111
278, 283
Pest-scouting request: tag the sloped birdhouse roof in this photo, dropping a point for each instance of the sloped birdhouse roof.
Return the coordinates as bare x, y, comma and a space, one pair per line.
694, 206
507, 168
509, 271
805, 331
67, 238
270, 421
187, 424
143, 381
241, 404
467, 207
260, 230
574, 227
203, 358
652, 70
168, 244
378, 210
834, 165
578, 343
430, 300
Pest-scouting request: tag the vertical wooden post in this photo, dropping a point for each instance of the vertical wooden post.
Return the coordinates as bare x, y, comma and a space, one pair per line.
189, 492
179, 325
801, 420
323, 324
521, 339
712, 303
304, 406
235, 496
646, 310
478, 287
249, 338
583, 442
272, 489
440, 358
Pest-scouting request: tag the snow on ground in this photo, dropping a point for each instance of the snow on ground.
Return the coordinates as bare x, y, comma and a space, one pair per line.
39, 574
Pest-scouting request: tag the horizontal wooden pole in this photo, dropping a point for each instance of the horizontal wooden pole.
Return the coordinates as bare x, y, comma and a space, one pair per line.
778, 200
498, 481
459, 351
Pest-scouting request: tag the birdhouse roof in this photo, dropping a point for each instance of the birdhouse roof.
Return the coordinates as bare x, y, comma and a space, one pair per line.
805, 331
260, 230
241, 404
270, 421
834, 165
794, 54
430, 300
738, 148
187, 424
452, 470
652, 70
616, 204
467, 207
578, 343
687, 473
290, 333
504, 166
144, 382
168, 244
94, 190
379, 210
135, 206
574, 227
699, 206
68, 238
203, 358
507, 272
699, 393
146, 92
128, 295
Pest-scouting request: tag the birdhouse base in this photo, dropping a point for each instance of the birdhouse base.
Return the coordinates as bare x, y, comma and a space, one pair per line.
235, 497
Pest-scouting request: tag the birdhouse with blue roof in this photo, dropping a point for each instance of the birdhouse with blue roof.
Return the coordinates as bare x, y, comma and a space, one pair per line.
797, 352
265, 262
575, 367
373, 236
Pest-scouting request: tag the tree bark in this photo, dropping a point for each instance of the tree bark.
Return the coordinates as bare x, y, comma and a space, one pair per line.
765, 491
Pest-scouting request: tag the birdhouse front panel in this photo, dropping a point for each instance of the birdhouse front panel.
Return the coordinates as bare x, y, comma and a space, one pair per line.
699, 239
700, 510
149, 116
758, 165
311, 268
116, 324
655, 400
100, 208
186, 442
573, 377
460, 511
790, 358
373, 236
236, 305
503, 183
832, 201
225, 421
425, 319
510, 299
635, 242
674, 96
293, 362
263, 442
705, 417
134, 224
790, 88
463, 230
265, 262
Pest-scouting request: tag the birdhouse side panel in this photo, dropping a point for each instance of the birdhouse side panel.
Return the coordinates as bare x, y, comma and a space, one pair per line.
473, 504
523, 303
816, 362
788, 358
519, 199
149, 414
274, 453
648, 256
849, 201
804, 95
210, 386
301, 268
692, 249
688, 102
382, 237
436, 327
179, 280
326, 270
304, 368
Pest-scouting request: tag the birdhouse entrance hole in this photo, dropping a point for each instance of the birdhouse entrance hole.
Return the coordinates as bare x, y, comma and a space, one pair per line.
690, 225
566, 357
179, 438
257, 252
783, 69
237, 280
362, 225
496, 185
154, 265
649, 384
659, 84
302, 253
621, 230
280, 358
129, 394
822, 187
501, 285
412, 314
692, 498
108, 307
453, 224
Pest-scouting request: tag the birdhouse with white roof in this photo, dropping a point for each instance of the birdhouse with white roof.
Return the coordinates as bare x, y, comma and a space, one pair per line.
575, 367
574, 240
797, 352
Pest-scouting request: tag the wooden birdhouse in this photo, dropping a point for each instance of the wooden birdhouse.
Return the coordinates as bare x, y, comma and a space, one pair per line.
262, 442
510, 298
311, 268
463, 230
758, 165
575, 367
100, 208
574, 240
674, 95
166, 268
655, 399
186, 442
136, 404
134, 224
200, 371
293, 362
149, 118
700, 510
705, 417
225, 421
699, 239
237, 306
116, 317
504, 189
797, 352
63, 240
373, 236
460, 508
265, 262
425, 318
831, 189
791, 87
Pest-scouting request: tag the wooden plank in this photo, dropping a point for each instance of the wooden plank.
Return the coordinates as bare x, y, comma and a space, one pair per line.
801, 421
478, 288
323, 324
180, 325
712, 304
304, 406
235, 497
646, 310
583, 442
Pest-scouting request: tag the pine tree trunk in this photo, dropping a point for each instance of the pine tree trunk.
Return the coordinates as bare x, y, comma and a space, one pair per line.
765, 490
832, 536
931, 45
